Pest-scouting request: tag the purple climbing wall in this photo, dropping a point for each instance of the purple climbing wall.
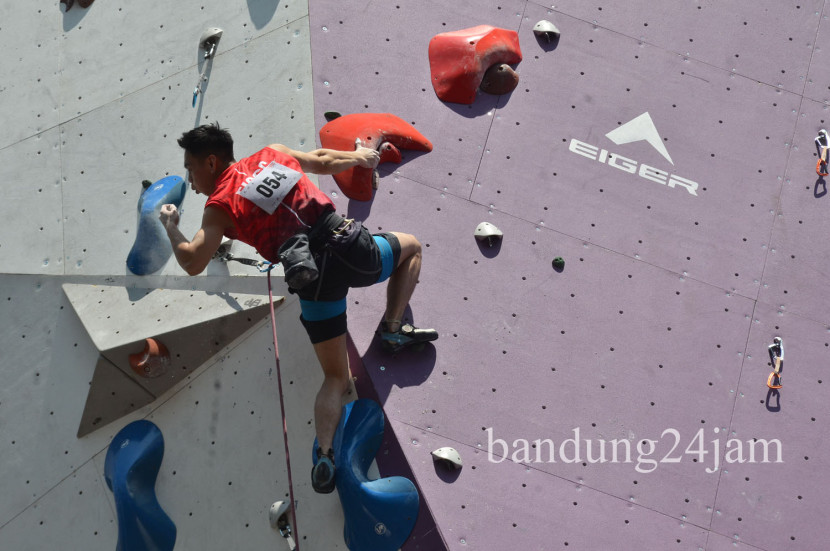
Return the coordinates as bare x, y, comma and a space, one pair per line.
665, 151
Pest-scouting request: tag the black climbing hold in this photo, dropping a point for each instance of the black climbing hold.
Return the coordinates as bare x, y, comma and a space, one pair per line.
146, 183
500, 79
331, 115
558, 263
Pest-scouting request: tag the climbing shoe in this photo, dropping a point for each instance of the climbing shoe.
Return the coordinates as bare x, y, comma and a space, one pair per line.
322, 474
407, 335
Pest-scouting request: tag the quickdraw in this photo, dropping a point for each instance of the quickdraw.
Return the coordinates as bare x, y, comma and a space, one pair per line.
823, 144
284, 526
207, 42
776, 351
280, 510
262, 265
223, 254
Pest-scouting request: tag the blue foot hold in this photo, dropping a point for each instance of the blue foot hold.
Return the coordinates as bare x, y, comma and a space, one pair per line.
379, 514
131, 467
152, 249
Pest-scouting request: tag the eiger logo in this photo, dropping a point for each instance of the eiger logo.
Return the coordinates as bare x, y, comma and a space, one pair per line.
641, 128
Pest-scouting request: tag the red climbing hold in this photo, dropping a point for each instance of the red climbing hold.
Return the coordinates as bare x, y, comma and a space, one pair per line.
459, 59
382, 131
153, 361
389, 154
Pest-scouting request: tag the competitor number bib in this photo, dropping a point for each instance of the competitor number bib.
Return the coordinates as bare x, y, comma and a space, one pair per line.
269, 187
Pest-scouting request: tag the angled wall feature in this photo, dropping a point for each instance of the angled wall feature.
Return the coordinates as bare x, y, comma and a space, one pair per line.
83, 79
112, 395
193, 325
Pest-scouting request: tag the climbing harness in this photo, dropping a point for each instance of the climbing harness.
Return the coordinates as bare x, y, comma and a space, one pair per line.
776, 350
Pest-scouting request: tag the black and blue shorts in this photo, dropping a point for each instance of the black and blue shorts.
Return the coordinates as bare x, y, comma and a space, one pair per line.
368, 259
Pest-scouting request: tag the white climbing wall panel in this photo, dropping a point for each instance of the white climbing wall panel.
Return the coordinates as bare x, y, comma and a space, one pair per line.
93, 105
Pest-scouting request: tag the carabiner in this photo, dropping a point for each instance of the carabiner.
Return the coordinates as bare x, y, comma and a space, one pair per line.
776, 350
823, 145
347, 222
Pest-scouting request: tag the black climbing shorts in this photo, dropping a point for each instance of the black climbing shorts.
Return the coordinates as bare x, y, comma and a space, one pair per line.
347, 255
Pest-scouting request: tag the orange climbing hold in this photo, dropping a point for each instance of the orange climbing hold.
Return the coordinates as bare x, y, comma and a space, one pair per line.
153, 361
459, 59
381, 131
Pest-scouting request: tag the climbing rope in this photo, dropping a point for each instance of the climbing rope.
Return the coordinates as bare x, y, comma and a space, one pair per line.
282, 408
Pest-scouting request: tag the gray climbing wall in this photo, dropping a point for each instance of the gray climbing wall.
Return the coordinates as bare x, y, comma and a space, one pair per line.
684, 257
657, 326
93, 105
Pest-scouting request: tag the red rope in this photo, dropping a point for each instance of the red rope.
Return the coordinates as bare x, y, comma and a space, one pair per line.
284, 423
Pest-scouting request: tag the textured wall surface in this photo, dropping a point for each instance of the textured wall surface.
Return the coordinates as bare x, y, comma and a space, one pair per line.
658, 326
656, 330
92, 104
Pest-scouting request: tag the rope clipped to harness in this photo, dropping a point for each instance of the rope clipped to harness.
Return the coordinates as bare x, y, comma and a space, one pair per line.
282, 408
224, 254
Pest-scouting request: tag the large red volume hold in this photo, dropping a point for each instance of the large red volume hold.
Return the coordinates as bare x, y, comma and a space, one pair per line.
459, 59
382, 131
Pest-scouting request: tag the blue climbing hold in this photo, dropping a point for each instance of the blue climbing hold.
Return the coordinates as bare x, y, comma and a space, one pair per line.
130, 469
379, 514
152, 249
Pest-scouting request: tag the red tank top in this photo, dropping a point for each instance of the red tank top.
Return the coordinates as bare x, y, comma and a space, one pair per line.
267, 181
